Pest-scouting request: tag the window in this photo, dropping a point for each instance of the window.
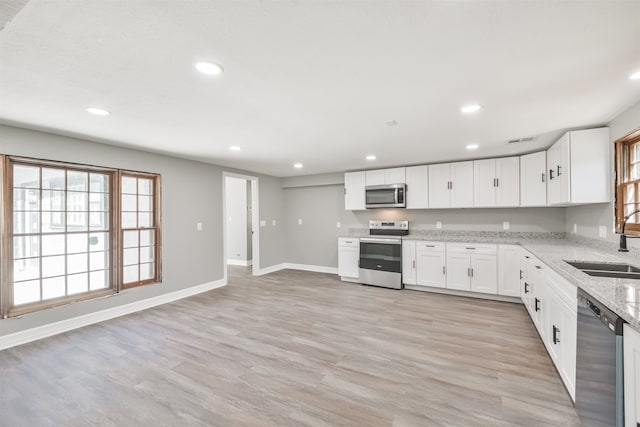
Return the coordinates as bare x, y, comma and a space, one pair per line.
62, 236
628, 182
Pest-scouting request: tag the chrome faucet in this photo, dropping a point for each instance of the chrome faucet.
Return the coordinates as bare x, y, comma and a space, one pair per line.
623, 238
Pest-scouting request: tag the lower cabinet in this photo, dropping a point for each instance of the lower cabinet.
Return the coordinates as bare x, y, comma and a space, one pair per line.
409, 262
431, 264
509, 271
472, 267
631, 377
348, 258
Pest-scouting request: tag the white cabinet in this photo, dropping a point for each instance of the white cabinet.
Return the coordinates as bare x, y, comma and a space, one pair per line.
409, 262
385, 176
472, 267
533, 179
578, 167
348, 258
509, 272
451, 185
496, 182
431, 264
417, 187
354, 196
631, 377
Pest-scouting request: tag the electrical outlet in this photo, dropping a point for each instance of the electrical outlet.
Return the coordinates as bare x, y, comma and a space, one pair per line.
575, 228
338, 225
263, 223
506, 225
299, 221
273, 222
602, 231
199, 226
438, 225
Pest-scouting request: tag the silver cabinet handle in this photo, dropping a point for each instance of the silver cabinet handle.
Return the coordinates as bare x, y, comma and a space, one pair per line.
471, 272
414, 263
444, 269
543, 177
468, 272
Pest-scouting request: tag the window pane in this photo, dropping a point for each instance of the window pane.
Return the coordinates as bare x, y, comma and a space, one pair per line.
98, 241
99, 279
144, 203
147, 238
77, 201
77, 181
77, 243
130, 256
53, 266
130, 274
144, 219
52, 200
130, 239
26, 269
628, 209
129, 220
147, 271
147, 253
77, 221
144, 186
128, 185
26, 176
98, 260
98, 220
53, 222
53, 287
129, 203
25, 199
53, 244
26, 292
76, 263
25, 222
26, 247
98, 202
98, 183
53, 179
77, 283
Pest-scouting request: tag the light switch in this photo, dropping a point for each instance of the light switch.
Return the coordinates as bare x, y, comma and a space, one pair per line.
263, 223
273, 222
506, 225
299, 221
199, 226
338, 225
438, 225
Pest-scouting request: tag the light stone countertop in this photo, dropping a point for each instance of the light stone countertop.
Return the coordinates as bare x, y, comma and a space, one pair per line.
622, 296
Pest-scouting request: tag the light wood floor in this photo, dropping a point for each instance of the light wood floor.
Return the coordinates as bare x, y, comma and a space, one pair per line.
292, 348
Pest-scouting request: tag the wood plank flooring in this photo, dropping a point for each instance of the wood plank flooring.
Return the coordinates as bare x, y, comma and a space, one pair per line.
292, 349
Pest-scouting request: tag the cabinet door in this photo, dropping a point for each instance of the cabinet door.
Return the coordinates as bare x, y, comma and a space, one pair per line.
533, 179
394, 176
509, 270
354, 197
417, 187
553, 184
348, 258
631, 376
539, 306
409, 262
461, 185
458, 271
484, 274
563, 172
508, 182
484, 183
431, 269
375, 177
439, 186
553, 327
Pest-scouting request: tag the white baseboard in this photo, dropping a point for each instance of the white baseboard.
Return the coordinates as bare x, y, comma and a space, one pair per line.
242, 262
271, 269
23, 337
468, 294
314, 268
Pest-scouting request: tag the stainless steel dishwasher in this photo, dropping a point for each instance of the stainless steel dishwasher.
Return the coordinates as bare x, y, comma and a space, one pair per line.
599, 364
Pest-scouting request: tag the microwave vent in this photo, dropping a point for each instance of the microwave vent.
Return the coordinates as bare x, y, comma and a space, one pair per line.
525, 139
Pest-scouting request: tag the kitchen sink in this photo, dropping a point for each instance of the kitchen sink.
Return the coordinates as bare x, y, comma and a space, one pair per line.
603, 269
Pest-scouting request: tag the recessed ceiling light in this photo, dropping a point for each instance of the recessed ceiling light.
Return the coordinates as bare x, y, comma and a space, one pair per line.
297, 165
635, 76
471, 108
98, 111
472, 147
371, 157
209, 68
234, 148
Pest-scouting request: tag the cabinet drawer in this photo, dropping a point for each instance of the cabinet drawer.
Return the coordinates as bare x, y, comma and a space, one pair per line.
472, 248
430, 246
565, 290
349, 242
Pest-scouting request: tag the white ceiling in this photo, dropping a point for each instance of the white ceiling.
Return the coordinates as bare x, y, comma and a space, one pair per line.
315, 82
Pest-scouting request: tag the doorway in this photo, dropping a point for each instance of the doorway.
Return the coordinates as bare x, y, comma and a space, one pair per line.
240, 217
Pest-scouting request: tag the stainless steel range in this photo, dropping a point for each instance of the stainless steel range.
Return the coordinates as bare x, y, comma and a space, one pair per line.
381, 254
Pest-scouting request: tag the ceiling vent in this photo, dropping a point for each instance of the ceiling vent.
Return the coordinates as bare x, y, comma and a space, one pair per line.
525, 139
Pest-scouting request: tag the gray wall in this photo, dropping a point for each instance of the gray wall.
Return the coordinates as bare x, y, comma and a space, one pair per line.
321, 207
191, 193
589, 218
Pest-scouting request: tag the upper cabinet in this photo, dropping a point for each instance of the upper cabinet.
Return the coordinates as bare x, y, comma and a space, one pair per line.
417, 187
354, 196
451, 185
496, 182
578, 167
385, 176
533, 179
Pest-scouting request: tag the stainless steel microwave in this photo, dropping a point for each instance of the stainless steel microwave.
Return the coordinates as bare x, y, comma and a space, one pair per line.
385, 196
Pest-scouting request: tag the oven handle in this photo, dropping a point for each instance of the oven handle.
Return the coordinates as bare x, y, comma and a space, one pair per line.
383, 241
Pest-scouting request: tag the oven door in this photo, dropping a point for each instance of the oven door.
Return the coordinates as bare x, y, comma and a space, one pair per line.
382, 254
385, 196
